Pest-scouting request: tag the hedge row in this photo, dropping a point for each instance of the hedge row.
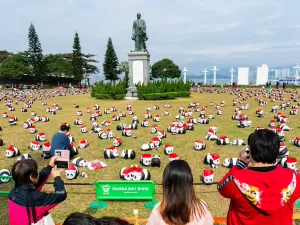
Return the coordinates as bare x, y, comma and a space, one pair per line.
163, 96
109, 96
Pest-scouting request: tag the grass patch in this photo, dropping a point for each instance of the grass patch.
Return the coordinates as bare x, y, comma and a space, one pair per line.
79, 197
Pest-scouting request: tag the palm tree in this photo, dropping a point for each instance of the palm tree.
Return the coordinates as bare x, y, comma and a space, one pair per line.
124, 68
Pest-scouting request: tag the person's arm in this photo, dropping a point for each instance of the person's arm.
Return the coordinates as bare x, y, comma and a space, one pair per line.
47, 201
45, 174
43, 177
226, 186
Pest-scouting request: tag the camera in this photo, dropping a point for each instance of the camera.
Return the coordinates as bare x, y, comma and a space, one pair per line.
62, 160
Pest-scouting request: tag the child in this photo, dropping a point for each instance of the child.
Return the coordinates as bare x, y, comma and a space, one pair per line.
27, 204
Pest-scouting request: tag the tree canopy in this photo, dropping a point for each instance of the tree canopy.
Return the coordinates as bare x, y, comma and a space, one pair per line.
165, 68
14, 67
35, 55
111, 63
4, 54
77, 61
57, 65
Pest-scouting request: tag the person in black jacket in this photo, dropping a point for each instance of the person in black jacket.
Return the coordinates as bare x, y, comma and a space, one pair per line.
27, 204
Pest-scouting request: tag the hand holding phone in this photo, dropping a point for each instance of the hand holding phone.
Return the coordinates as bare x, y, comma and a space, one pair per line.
52, 161
55, 172
62, 158
244, 155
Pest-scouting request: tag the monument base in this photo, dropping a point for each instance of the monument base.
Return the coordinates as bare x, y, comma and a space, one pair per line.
139, 68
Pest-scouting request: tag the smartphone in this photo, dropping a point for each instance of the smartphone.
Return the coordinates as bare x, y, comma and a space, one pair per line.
62, 160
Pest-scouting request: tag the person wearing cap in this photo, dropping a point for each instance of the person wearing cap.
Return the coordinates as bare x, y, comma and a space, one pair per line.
60, 141
265, 192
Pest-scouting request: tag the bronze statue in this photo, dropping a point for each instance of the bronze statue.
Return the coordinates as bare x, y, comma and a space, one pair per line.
139, 34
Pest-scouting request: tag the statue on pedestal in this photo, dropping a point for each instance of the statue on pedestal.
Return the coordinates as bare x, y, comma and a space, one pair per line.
139, 34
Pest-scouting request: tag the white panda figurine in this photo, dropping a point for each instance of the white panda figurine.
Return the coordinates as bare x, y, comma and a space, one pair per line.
79, 113
148, 147
121, 126
126, 132
199, 145
12, 151
148, 116
168, 149
156, 118
238, 142
144, 123
115, 118
128, 154
208, 176
230, 162
110, 134
80, 162
72, 172
212, 159
111, 153
117, 142
146, 159
133, 126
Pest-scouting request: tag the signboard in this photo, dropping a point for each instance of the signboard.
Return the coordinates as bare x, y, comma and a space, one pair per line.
124, 190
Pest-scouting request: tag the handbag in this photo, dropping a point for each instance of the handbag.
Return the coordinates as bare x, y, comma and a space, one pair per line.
30, 204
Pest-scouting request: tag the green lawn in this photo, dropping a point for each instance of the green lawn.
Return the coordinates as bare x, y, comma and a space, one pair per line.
79, 197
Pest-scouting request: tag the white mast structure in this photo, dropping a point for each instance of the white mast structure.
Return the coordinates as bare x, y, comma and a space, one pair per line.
205, 73
215, 74
297, 68
184, 74
232, 71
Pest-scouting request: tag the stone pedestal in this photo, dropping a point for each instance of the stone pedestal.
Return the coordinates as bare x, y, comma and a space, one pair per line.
139, 65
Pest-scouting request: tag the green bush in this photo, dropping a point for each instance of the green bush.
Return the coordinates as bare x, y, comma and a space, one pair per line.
103, 90
103, 96
163, 96
163, 86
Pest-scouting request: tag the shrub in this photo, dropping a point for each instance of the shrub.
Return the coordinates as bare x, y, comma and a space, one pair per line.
103, 90
163, 86
163, 96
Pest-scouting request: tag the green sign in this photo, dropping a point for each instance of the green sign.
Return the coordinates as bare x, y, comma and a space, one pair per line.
5, 179
124, 191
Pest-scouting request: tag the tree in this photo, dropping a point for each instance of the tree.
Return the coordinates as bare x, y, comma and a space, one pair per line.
88, 64
35, 55
165, 68
77, 61
124, 68
57, 65
111, 63
4, 54
14, 67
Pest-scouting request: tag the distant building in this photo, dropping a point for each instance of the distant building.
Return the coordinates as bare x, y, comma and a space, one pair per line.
243, 76
262, 74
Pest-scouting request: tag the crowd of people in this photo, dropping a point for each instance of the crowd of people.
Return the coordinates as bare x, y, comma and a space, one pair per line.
260, 191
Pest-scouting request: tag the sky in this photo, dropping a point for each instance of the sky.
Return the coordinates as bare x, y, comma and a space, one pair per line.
193, 33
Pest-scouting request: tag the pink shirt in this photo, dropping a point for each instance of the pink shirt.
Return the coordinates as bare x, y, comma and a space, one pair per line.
206, 219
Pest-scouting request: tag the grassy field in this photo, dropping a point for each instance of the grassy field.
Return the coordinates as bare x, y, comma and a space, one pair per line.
79, 197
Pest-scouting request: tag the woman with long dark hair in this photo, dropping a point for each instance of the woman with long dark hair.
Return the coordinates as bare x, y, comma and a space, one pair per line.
180, 205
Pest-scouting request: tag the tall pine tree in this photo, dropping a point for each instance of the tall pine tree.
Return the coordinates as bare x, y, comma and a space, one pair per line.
35, 55
111, 63
77, 60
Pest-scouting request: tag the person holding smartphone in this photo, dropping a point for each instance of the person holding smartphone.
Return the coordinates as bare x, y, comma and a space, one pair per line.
26, 203
265, 192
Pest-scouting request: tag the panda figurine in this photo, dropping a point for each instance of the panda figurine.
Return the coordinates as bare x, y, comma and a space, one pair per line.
208, 176
199, 145
230, 162
80, 162
128, 154
111, 153
72, 172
